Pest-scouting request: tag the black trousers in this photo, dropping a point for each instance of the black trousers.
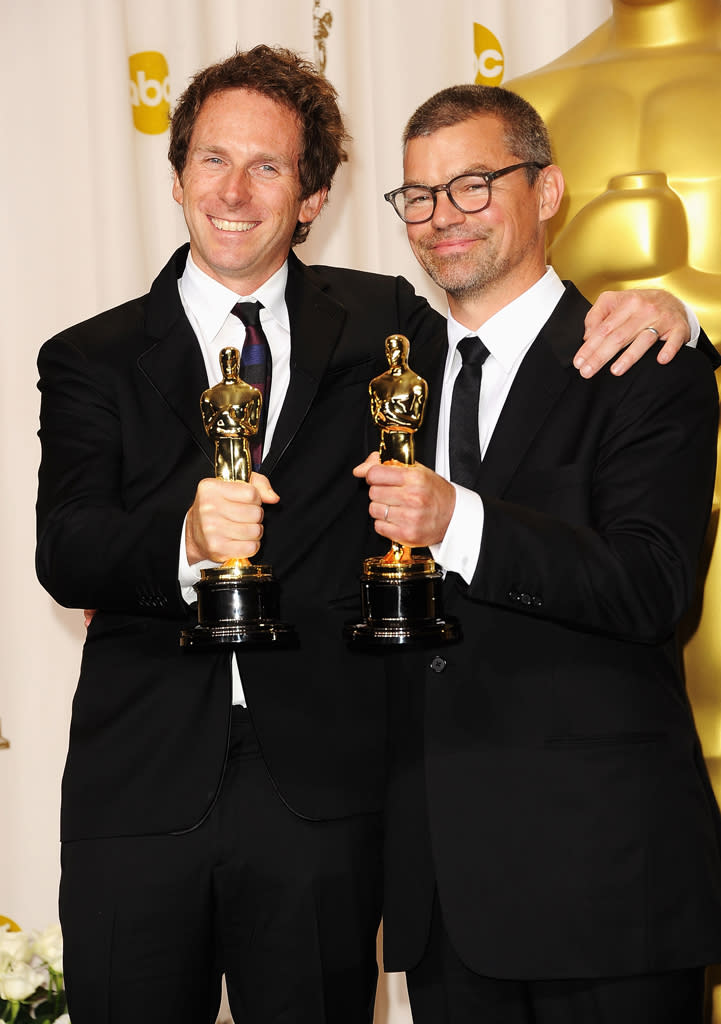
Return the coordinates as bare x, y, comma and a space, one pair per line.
443, 990
287, 908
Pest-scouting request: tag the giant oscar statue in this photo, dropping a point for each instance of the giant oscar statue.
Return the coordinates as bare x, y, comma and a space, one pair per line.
400, 591
633, 114
238, 602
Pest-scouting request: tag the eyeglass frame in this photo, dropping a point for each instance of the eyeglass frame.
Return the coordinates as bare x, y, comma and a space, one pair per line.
488, 177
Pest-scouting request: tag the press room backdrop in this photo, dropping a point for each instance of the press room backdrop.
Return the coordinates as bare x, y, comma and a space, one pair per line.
88, 220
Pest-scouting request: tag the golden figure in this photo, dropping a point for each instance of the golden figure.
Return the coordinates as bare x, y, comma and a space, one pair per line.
237, 601
401, 593
633, 114
322, 24
398, 399
231, 414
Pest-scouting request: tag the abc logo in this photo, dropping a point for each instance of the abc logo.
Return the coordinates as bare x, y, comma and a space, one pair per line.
489, 56
149, 91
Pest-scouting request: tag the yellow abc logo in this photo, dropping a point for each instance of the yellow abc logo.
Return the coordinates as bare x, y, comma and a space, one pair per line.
489, 56
149, 91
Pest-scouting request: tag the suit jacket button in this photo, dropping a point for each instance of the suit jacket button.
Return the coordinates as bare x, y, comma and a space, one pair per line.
438, 664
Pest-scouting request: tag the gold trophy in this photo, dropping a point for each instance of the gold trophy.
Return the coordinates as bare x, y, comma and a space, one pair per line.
238, 602
400, 591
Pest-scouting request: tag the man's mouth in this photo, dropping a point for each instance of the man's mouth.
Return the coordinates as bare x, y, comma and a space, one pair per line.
440, 241
451, 244
233, 225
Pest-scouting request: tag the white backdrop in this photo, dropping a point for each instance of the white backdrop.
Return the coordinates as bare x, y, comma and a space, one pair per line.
88, 220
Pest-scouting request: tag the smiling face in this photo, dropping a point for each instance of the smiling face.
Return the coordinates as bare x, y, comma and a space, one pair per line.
482, 260
240, 189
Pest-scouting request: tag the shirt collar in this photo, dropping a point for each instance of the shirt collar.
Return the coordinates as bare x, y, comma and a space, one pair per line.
510, 331
211, 302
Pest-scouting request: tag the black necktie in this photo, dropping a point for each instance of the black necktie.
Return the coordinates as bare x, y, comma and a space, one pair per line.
256, 367
463, 441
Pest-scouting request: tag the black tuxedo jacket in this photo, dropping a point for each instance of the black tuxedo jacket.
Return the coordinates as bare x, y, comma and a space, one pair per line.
567, 819
123, 448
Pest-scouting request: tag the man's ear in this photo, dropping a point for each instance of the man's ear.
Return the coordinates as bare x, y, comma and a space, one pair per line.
177, 189
310, 207
551, 191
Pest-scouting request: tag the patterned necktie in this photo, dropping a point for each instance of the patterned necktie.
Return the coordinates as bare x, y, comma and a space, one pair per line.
463, 441
256, 368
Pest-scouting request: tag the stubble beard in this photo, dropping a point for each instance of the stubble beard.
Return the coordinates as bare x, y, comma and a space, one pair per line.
461, 276
469, 275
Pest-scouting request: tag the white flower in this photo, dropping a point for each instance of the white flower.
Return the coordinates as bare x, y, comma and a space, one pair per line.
49, 947
65, 1019
16, 945
19, 980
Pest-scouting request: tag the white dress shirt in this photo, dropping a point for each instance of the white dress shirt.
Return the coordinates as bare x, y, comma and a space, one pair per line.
208, 304
507, 335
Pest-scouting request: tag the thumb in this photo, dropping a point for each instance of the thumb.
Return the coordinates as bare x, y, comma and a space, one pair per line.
361, 471
264, 489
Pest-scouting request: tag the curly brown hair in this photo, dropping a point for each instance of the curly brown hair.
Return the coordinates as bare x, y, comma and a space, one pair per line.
286, 78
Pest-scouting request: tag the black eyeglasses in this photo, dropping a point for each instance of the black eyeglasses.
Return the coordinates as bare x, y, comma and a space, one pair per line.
469, 193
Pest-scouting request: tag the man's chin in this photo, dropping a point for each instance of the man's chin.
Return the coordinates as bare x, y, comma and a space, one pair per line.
454, 284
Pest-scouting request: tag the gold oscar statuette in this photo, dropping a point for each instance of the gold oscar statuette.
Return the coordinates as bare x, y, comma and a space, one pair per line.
238, 602
400, 591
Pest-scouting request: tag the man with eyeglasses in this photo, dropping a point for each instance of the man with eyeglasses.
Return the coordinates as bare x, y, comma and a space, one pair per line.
553, 842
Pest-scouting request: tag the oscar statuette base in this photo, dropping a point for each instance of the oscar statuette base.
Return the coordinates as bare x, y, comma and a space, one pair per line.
402, 606
238, 605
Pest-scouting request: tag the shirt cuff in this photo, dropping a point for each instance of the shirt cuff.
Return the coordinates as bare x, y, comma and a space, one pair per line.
188, 575
693, 325
460, 549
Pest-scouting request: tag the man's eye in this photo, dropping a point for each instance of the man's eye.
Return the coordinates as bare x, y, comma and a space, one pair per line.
416, 198
471, 187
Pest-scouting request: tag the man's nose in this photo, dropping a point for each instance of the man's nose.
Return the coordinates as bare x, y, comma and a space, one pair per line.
445, 212
236, 187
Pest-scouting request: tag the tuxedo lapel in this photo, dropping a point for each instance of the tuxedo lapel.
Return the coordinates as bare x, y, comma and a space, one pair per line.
542, 378
173, 362
316, 322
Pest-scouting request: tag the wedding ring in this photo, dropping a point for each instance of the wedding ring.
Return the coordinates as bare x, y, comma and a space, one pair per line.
652, 329
385, 514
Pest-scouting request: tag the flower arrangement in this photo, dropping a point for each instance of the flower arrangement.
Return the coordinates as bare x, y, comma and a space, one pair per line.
31, 976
